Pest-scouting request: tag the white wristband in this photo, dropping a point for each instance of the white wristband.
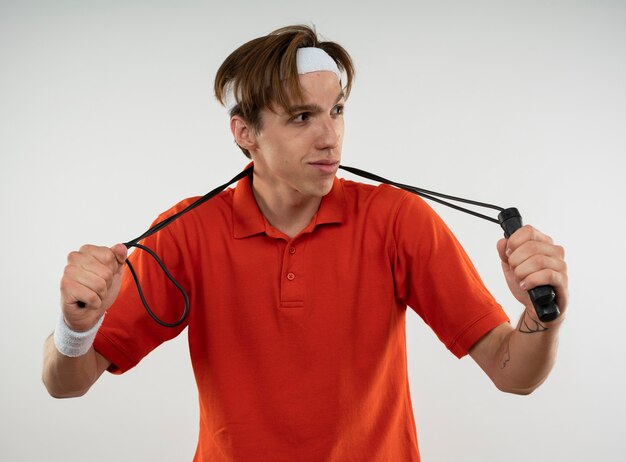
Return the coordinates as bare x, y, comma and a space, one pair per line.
71, 343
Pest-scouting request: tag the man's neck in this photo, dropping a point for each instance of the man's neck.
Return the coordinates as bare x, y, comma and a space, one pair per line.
286, 210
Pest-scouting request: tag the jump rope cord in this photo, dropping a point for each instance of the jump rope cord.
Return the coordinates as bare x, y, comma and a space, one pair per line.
430, 195
159, 226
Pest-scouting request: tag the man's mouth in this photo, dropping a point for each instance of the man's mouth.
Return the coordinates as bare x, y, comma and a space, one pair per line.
326, 165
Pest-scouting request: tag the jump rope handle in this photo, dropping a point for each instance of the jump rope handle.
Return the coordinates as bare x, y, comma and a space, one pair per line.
541, 296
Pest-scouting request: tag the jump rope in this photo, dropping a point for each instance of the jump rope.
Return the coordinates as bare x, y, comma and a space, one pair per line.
542, 297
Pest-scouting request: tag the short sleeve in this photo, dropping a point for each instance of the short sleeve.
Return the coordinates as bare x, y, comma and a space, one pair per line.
435, 277
128, 333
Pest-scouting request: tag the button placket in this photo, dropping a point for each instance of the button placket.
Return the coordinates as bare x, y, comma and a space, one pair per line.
292, 289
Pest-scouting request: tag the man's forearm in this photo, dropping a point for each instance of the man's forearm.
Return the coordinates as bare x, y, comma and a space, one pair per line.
526, 355
66, 377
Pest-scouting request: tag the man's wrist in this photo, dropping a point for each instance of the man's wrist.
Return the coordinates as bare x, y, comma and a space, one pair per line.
71, 343
530, 323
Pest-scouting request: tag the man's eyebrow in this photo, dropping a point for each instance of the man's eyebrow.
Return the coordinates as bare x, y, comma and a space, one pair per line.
313, 107
340, 96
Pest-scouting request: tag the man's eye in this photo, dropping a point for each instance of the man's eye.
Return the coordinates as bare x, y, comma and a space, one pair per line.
302, 117
338, 110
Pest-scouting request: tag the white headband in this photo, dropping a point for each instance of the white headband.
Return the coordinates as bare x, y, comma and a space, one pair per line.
308, 59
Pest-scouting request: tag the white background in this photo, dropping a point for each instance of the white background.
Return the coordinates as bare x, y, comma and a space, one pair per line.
107, 118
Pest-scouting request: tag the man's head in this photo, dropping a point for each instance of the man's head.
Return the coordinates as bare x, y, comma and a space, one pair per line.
263, 73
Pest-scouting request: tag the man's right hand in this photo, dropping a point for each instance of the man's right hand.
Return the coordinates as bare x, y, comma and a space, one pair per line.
90, 284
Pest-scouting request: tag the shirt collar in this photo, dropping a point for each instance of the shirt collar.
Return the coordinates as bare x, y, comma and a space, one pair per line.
248, 219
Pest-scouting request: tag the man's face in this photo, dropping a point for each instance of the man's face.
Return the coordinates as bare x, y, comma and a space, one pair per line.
299, 155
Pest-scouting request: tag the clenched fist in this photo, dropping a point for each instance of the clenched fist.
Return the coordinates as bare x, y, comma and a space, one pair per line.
90, 284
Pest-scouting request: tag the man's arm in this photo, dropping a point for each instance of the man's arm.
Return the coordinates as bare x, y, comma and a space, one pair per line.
89, 286
67, 377
519, 359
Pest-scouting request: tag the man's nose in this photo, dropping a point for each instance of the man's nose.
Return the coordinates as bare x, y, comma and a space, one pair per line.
329, 134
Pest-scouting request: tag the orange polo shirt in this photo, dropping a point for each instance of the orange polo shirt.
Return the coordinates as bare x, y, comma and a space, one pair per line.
298, 345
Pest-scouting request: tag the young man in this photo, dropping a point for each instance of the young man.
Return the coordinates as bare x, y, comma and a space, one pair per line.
299, 284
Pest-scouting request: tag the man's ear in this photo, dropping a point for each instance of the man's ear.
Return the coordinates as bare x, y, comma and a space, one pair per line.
243, 133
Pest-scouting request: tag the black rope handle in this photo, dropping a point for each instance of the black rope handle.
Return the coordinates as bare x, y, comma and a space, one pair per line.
543, 297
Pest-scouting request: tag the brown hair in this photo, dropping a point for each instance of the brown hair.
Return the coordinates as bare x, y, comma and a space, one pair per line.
263, 71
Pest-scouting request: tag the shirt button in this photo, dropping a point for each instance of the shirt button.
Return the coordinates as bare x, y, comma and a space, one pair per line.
292, 250
291, 276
